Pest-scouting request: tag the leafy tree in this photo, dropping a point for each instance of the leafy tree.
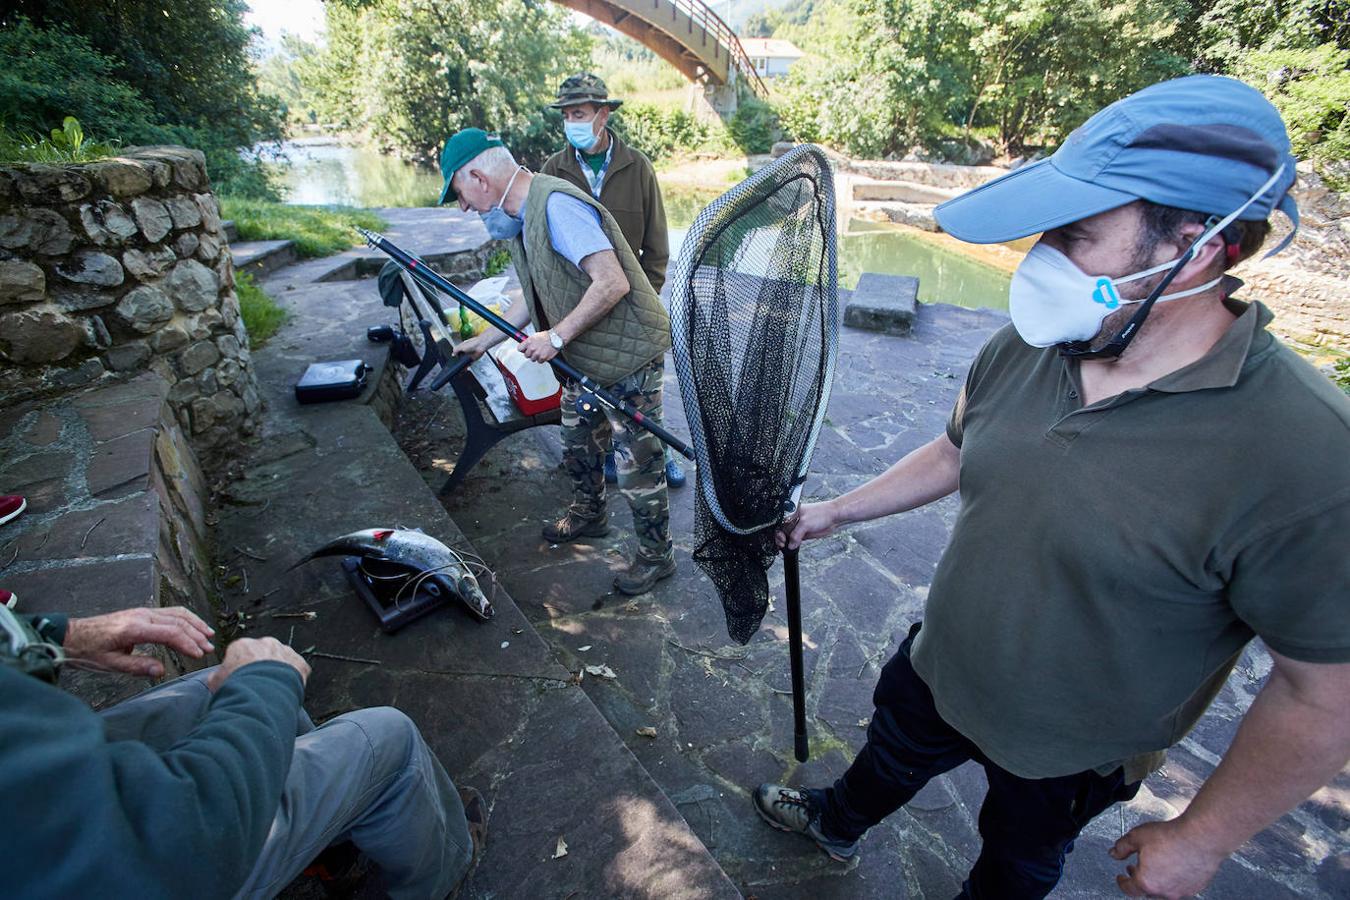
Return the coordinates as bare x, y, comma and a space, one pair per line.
900, 73
280, 75
1298, 54
412, 72
169, 70
1311, 89
52, 73
1039, 68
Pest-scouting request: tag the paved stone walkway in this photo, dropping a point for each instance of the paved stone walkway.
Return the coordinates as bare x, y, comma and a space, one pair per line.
490, 698
721, 712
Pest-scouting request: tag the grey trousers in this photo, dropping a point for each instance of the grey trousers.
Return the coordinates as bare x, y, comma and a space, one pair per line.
366, 776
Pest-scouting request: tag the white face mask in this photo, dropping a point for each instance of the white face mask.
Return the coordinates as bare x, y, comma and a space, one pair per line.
1052, 301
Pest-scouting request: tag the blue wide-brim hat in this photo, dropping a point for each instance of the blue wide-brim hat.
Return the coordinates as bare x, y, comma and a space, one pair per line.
1204, 143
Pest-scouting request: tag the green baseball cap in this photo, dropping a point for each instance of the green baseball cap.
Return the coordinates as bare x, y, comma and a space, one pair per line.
584, 88
463, 146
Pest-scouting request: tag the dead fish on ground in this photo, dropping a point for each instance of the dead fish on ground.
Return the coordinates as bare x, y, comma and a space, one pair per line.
406, 553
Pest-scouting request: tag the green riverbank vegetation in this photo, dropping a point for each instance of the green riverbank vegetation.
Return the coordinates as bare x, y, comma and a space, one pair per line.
316, 230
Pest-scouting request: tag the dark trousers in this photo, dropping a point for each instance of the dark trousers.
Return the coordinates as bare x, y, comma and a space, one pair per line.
1027, 825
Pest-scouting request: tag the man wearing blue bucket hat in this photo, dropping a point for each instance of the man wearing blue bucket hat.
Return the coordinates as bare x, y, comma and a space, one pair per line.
1148, 481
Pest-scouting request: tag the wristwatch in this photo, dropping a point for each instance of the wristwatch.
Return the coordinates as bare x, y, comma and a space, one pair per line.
555, 340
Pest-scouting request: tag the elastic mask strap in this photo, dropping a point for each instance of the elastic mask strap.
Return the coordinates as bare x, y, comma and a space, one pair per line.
518, 170
1116, 346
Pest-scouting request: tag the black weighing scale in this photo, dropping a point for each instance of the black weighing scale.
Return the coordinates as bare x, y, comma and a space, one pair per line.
385, 588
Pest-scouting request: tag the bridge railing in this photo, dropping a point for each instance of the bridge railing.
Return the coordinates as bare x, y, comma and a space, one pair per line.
703, 16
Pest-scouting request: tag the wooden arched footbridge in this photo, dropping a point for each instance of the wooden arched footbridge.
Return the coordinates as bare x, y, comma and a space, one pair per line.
685, 33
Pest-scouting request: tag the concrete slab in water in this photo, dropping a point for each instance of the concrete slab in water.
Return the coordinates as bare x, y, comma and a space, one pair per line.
885, 303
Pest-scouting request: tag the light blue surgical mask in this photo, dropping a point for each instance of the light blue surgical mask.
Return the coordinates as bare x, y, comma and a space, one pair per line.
581, 134
500, 224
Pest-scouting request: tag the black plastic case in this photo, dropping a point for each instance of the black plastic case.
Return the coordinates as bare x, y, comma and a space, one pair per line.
324, 381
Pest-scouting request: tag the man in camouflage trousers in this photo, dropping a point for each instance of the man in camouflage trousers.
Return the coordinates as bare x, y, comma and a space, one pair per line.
638, 459
584, 291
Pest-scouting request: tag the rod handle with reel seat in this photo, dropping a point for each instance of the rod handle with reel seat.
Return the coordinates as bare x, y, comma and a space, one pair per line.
425, 275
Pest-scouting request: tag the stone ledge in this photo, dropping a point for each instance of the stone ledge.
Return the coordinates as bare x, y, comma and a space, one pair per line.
116, 514
885, 303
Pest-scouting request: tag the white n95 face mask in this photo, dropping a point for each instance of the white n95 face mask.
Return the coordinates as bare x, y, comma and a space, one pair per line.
1052, 301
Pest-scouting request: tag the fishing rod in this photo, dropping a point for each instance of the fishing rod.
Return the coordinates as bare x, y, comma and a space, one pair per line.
426, 275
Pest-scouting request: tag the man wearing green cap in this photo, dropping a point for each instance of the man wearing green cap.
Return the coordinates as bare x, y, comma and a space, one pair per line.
623, 180
585, 293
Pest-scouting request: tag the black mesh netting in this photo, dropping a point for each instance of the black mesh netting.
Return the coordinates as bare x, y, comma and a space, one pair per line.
754, 317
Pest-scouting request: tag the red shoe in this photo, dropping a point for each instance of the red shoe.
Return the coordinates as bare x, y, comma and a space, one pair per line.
10, 507
8, 600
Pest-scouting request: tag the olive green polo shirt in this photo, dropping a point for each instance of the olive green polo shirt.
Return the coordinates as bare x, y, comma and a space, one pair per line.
1110, 562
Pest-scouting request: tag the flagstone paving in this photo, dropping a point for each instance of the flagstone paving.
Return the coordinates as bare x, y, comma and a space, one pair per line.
721, 712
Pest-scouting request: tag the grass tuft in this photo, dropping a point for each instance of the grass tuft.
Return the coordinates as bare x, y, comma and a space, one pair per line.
262, 316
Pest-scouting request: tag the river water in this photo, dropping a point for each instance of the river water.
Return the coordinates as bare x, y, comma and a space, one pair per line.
324, 172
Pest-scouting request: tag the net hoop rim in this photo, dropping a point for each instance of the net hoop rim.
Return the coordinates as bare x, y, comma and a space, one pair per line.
691, 251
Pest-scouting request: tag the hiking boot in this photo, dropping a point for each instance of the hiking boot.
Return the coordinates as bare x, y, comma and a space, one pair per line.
475, 811
10, 507
799, 812
577, 522
642, 574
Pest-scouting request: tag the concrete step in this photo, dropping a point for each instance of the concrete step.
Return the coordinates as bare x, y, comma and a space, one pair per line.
258, 258
497, 707
900, 191
230, 230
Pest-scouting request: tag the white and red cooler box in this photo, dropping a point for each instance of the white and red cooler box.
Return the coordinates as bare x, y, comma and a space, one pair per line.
532, 386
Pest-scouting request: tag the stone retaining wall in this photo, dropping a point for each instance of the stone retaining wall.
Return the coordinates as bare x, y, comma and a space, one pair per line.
116, 513
120, 266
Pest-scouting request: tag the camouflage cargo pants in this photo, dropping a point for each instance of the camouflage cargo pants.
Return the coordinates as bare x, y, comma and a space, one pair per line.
638, 457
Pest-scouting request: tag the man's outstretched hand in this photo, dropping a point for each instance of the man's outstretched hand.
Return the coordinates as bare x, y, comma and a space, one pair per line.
109, 641
251, 650
1171, 864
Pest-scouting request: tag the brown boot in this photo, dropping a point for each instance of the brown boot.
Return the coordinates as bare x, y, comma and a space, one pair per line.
577, 522
642, 574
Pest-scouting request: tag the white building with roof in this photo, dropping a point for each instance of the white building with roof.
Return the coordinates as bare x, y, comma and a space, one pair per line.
771, 57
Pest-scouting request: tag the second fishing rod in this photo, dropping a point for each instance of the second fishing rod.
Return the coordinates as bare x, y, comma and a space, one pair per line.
426, 275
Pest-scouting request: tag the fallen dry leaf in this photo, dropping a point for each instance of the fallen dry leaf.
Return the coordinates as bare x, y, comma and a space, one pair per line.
601, 672
576, 677
561, 850
583, 649
647, 731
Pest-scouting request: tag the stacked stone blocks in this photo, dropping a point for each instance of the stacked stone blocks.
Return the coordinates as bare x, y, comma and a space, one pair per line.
116, 517
120, 266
